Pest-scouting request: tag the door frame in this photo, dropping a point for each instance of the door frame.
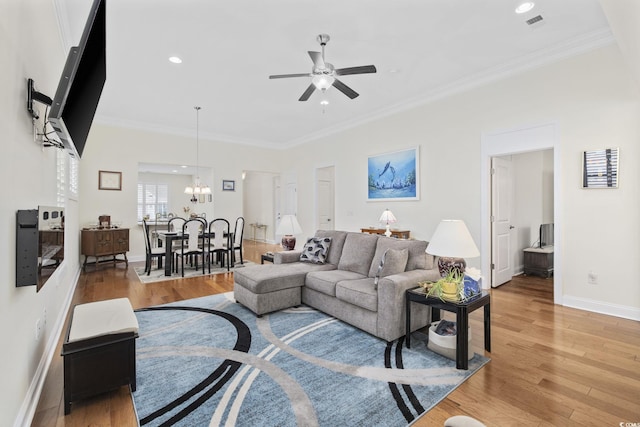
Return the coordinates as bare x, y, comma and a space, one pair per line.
514, 141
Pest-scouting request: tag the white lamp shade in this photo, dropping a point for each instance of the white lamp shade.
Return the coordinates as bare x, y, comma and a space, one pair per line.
452, 239
387, 217
288, 226
188, 190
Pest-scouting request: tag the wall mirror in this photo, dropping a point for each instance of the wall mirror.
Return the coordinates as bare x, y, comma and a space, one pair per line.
600, 168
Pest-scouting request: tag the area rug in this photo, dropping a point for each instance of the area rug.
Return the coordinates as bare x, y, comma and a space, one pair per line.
157, 274
210, 361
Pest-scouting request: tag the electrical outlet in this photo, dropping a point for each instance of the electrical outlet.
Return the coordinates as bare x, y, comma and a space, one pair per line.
592, 278
38, 329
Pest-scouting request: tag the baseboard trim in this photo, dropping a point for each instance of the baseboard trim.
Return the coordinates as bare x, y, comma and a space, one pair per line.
32, 397
616, 310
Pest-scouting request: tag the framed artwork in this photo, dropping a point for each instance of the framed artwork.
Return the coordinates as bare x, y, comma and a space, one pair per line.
228, 185
600, 168
109, 180
394, 176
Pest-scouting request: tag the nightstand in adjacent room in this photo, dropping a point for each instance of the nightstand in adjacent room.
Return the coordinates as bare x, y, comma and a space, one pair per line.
539, 261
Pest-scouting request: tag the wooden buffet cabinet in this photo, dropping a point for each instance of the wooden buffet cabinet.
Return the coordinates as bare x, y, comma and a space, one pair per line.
398, 234
110, 242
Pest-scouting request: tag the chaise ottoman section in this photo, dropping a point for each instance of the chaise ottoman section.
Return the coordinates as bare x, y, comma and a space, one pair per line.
267, 288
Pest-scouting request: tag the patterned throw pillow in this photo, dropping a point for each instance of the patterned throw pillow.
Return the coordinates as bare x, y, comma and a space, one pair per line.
393, 261
315, 250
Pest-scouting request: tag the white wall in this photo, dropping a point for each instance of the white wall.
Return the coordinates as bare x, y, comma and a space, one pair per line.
593, 100
120, 149
259, 208
30, 47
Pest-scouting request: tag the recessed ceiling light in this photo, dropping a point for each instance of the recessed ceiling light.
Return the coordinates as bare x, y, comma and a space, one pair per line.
324, 102
175, 60
525, 7
183, 166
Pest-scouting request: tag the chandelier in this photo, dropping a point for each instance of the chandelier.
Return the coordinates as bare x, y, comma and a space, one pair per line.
197, 188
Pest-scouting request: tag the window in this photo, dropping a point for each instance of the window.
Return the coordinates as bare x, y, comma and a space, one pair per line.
152, 199
61, 176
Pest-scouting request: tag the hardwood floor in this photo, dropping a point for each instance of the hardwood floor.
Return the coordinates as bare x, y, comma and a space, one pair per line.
550, 365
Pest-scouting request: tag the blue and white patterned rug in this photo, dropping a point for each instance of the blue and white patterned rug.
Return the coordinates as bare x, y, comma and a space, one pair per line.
210, 361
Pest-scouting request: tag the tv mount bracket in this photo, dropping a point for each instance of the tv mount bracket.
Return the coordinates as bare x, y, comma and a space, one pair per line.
34, 95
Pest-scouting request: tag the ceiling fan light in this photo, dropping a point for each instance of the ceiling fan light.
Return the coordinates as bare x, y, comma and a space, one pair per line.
323, 82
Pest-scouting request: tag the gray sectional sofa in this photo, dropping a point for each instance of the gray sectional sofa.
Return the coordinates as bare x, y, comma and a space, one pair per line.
351, 284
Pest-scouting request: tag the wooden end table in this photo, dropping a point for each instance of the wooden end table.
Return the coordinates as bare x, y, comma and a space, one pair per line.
462, 310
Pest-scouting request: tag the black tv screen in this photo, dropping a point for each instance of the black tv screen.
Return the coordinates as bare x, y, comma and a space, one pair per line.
76, 100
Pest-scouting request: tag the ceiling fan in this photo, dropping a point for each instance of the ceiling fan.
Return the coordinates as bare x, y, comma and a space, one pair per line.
324, 74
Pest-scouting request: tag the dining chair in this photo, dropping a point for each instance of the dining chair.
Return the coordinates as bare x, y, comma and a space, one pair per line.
219, 242
174, 225
237, 239
193, 246
151, 252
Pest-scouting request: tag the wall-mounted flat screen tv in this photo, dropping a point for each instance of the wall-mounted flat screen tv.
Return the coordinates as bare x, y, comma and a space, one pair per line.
76, 100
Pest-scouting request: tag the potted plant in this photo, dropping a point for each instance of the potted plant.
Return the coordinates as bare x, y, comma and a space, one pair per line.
448, 288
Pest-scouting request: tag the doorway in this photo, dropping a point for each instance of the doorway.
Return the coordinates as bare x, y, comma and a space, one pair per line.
512, 142
325, 198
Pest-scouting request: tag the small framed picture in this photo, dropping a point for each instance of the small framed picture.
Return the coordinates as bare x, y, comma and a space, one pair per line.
109, 180
228, 185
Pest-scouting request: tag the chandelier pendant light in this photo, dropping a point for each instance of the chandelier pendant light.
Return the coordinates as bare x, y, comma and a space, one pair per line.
197, 188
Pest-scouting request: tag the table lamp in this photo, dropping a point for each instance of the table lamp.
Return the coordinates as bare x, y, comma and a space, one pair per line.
287, 228
388, 218
452, 242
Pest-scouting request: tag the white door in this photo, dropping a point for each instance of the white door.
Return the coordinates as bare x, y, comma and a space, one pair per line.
325, 201
501, 259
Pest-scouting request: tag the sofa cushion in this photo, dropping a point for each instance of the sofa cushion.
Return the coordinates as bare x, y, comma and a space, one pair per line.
417, 256
357, 253
325, 281
358, 292
393, 261
337, 242
261, 279
315, 250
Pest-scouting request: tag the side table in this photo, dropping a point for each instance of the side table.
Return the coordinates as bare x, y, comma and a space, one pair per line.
266, 257
462, 310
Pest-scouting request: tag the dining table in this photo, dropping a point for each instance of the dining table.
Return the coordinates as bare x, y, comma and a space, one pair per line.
166, 239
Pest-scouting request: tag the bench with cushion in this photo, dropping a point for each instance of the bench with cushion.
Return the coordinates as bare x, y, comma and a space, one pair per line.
99, 350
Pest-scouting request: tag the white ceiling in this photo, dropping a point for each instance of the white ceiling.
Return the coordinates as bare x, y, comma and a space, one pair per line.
423, 50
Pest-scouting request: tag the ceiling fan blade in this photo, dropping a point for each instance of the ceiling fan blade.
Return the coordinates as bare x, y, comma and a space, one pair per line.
286, 76
344, 89
307, 93
365, 69
316, 57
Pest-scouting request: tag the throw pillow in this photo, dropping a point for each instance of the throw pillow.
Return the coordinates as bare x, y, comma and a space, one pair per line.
393, 261
315, 250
